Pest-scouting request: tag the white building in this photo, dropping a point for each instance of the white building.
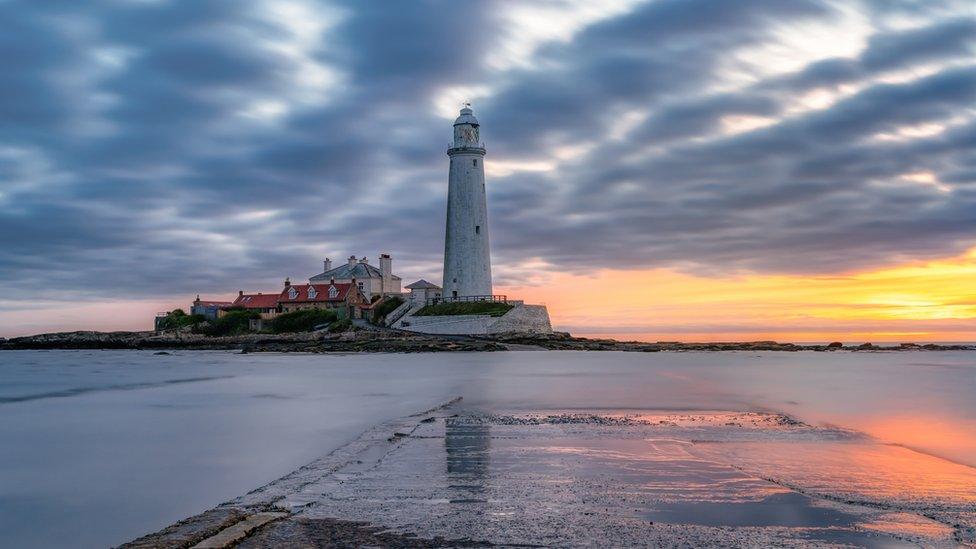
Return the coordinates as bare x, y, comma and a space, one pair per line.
372, 281
421, 291
467, 257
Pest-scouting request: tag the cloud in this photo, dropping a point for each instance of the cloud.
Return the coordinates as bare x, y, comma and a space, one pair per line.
166, 148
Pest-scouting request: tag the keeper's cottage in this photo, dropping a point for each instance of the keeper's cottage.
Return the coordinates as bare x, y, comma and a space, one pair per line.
372, 281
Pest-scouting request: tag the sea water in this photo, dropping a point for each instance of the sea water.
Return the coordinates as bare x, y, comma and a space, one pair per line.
99, 447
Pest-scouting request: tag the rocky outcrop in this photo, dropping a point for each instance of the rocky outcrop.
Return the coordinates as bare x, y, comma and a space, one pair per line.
381, 340
376, 342
387, 341
564, 341
141, 340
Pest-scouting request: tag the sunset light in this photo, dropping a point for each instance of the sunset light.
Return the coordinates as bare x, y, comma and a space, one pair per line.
917, 302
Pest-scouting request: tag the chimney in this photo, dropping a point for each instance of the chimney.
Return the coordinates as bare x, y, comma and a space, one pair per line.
352, 260
327, 264
287, 282
386, 270
331, 280
364, 260
240, 293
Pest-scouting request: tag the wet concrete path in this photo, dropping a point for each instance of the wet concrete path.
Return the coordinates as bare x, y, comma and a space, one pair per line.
458, 477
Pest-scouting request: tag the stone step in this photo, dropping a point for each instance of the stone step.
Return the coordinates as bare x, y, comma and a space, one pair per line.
233, 534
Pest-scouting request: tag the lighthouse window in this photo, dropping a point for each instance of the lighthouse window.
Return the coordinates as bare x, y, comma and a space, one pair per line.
474, 162
477, 229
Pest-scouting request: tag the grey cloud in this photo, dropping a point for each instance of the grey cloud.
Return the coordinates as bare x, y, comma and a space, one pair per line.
953, 38
145, 175
941, 41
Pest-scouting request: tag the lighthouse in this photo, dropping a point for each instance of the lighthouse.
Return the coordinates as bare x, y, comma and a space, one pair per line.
467, 258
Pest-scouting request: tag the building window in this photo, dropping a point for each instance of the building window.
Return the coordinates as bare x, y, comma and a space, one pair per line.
333, 292
360, 284
477, 229
292, 293
454, 293
474, 162
312, 293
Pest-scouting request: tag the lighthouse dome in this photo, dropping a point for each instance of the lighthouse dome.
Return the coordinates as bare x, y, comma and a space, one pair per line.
466, 117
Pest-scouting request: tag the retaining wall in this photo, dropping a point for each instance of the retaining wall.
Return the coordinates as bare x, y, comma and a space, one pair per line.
520, 319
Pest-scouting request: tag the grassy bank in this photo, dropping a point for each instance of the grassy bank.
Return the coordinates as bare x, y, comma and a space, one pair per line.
489, 308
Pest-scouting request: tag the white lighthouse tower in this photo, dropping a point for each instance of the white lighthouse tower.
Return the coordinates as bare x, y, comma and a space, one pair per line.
467, 258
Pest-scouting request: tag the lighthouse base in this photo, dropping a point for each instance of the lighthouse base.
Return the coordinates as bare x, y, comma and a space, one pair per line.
521, 319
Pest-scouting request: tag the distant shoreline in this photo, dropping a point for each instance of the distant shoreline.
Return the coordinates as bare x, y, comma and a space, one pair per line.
389, 341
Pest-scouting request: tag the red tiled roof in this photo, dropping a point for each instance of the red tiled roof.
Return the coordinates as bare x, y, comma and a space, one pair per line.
256, 301
321, 291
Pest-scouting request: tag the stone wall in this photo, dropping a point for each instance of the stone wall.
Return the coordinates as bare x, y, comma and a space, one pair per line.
523, 319
453, 324
528, 319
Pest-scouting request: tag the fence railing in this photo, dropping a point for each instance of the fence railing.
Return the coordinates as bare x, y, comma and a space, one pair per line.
398, 313
467, 298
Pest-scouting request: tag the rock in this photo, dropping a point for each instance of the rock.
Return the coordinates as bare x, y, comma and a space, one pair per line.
392, 341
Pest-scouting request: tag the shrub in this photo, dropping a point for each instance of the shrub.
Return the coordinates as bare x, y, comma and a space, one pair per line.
340, 326
177, 319
302, 321
490, 308
232, 323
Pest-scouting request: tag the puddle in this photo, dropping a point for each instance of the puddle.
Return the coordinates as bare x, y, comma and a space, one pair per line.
812, 520
784, 509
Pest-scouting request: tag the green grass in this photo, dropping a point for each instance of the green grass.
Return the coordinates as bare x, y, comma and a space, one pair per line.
489, 308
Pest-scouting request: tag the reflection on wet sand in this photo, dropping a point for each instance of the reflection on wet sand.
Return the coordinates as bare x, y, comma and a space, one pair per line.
466, 446
862, 471
951, 438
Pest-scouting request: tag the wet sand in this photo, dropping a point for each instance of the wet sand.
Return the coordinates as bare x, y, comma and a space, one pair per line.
460, 477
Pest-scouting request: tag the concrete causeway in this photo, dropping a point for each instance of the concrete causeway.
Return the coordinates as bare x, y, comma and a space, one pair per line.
454, 477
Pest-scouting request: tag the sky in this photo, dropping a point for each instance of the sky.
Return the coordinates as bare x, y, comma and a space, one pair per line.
661, 169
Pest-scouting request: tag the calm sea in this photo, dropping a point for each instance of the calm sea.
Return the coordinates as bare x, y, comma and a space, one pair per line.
99, 447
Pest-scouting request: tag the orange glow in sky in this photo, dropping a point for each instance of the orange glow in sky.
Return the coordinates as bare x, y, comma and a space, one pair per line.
934, 301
